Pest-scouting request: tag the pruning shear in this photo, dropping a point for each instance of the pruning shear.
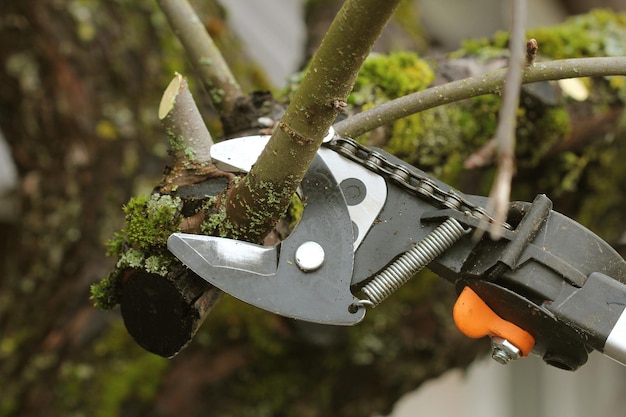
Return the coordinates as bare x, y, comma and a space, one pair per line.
371, 221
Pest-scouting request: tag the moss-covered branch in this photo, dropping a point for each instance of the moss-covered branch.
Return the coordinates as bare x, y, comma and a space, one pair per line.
204, 55
488, 83
255, 204
153, 289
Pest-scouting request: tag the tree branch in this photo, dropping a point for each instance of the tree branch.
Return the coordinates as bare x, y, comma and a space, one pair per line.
255, 203
216, 77
488, 83
507, 120
189, 139
179, 300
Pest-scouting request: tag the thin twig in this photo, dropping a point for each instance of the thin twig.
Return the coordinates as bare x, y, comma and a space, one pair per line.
507, 121
205, 57
486, 154
488, 83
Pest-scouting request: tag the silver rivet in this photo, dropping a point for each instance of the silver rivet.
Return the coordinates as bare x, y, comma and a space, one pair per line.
309, 256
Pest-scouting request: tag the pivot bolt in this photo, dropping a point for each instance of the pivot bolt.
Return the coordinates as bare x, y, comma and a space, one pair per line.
309, 256
503, 351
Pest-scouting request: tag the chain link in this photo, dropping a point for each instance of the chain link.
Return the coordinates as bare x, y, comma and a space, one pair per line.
414, 182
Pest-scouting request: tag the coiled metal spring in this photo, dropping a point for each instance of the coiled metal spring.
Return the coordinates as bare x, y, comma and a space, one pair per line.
412, 261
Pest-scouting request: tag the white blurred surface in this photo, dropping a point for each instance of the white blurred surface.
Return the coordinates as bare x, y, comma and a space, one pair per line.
8, 182
525, 388
8, 173
273, 33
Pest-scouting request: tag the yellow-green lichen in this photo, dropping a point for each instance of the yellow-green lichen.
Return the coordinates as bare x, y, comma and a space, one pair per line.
217, 222
258, 219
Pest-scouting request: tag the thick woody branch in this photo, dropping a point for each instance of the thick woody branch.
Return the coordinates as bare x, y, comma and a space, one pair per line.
255, 204
204, 55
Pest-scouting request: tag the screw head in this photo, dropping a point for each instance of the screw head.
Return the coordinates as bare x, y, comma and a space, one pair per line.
309, 256
504, 351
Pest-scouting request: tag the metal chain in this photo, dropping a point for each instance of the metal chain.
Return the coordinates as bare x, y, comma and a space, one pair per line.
416, 183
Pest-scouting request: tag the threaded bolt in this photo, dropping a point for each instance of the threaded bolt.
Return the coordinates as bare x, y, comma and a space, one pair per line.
503, 351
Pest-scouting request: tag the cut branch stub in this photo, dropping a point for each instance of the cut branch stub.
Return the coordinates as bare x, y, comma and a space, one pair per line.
190, 140
162, 313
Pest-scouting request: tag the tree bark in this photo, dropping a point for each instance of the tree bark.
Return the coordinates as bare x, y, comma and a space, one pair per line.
73, 92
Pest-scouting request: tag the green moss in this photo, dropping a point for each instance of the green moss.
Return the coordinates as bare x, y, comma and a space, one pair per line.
540, 127
428, 139
385, 77
140, 244
602, 209
149, 222
598, 33
106, 293
438, 140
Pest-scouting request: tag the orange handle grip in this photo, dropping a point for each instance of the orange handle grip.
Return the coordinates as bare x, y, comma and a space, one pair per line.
475, 319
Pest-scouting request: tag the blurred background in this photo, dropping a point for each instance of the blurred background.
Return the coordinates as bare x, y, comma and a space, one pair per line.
80, 82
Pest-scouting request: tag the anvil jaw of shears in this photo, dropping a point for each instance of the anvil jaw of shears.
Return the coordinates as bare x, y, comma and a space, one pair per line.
549, 285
